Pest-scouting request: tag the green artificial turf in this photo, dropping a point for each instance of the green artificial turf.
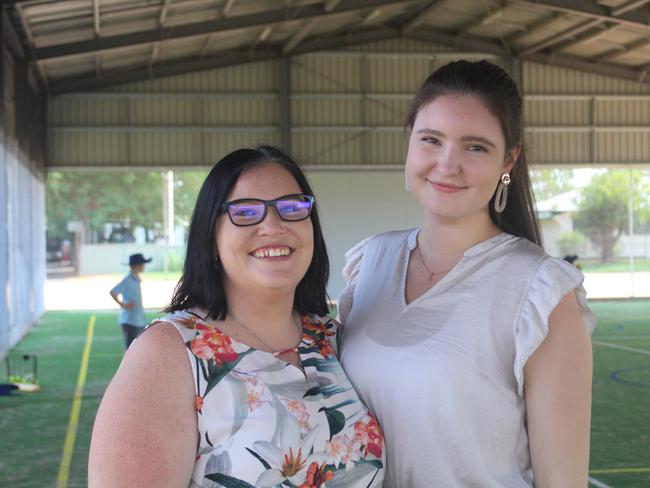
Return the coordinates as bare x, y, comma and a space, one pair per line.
33, 425
621, 265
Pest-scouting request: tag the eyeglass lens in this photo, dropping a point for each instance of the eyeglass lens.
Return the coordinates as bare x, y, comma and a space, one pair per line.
250, 212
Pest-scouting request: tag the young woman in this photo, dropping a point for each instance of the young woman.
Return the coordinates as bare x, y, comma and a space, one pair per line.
240, 385
469, 343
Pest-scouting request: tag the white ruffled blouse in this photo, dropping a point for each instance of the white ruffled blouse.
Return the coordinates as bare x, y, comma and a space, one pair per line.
444, 373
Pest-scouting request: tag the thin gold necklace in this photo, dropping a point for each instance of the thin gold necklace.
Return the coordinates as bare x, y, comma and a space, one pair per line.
431, 273
263, 342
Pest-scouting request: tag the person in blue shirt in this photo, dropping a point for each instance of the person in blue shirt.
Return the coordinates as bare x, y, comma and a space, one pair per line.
131, 316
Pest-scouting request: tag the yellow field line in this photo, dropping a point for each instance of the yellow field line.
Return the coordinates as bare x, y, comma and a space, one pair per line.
619, 470
68, 446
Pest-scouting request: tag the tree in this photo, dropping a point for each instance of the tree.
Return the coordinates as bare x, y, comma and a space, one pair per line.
550, 182
186, 188
97, 198
604, 206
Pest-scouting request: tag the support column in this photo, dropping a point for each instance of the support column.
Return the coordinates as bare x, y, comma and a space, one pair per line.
284, 95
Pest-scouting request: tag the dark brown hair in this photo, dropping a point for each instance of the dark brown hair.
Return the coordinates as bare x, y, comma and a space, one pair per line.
499, 93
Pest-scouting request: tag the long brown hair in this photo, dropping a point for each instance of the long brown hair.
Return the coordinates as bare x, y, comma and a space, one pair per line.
500, 94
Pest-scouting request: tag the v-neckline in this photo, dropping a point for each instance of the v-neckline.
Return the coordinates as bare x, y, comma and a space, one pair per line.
411, 244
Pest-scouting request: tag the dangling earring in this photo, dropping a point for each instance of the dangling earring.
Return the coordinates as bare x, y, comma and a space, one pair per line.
216, 261
501, 197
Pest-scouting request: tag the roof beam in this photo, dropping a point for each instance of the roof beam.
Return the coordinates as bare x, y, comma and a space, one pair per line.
260, 19
220, 60
226, 10
561, 36
163, 12
306, 28
570, 62
96, 19
590, 36
626, 7
263, 36
613, 53
331, 5
540, 24
486, 19
593, 10
368, 19
40, 69
423, 16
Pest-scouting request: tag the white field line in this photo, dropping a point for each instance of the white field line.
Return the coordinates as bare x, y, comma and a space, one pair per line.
598, 484
625, 338
622, 348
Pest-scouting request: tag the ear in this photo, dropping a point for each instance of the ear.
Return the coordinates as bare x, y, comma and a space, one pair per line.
511, 158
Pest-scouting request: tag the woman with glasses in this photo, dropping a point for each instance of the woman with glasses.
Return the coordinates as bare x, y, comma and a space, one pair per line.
469, 343
240, 385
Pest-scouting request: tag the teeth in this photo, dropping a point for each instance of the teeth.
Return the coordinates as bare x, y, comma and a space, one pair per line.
271, 252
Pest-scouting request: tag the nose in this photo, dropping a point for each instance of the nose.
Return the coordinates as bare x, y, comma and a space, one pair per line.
448, 161
272, 223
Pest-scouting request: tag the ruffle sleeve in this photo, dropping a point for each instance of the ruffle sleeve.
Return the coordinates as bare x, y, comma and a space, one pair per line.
353, 259
554, 279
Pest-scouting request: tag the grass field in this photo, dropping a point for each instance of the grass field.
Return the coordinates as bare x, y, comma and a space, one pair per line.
620, 266
33, 426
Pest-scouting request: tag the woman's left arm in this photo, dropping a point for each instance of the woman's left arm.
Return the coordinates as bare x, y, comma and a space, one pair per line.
557, 380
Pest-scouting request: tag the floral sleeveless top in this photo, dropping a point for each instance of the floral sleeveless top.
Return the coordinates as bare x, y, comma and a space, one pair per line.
264, 423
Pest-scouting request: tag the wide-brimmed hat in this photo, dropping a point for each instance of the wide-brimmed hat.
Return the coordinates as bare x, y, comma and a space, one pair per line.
138, 259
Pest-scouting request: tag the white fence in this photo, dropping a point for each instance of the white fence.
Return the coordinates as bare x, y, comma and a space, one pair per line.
114, 258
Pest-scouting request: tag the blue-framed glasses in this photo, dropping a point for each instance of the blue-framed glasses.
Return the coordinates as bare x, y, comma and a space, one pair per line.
251, 211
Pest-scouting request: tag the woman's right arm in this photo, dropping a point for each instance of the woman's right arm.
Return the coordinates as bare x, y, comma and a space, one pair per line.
145, 432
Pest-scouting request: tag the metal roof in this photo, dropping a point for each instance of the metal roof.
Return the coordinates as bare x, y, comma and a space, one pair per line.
80, 45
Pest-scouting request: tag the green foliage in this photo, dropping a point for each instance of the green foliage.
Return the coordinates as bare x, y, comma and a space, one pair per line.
97, 198
134, 197
186, 188
572, 243
550, 182
603, 214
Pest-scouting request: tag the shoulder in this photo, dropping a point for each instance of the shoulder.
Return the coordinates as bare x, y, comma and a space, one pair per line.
392, 236
122, 282
377, 242
185, 322
154, 371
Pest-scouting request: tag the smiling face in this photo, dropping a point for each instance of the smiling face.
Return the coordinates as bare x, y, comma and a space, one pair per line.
273, 254
456, 156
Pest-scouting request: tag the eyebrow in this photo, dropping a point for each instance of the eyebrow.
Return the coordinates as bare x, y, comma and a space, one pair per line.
464, 138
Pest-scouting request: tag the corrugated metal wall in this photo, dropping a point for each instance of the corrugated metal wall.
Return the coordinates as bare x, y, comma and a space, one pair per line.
347, 110
575, 118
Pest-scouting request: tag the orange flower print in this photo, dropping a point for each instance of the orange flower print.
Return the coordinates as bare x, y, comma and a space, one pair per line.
324, 347
198, 403
317, 329
211, 343
318, 333
188, 322
369, 434
316, 476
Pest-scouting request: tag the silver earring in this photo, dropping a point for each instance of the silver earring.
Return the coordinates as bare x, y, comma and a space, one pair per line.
501, 197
